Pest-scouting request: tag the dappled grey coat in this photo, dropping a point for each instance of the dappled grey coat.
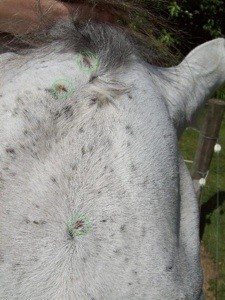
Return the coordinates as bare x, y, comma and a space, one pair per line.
96, 201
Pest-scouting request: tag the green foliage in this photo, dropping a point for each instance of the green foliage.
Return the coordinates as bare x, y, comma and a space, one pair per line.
174, 9
168, 38
201, 20
220, 93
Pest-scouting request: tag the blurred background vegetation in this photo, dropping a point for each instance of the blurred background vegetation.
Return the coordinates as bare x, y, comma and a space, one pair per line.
179, 25
197, 21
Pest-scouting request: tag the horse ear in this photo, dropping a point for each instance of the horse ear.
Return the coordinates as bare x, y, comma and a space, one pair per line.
189, 85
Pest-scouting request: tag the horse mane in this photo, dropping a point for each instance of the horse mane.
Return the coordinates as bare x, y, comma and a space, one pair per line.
133, 18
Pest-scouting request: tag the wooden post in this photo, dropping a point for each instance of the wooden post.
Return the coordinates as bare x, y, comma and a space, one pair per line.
208, 138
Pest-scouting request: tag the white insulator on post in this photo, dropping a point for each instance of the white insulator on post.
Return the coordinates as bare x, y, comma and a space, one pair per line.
217, 148
202, 182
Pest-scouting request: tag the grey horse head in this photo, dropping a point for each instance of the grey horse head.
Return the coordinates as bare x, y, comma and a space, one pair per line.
96, 201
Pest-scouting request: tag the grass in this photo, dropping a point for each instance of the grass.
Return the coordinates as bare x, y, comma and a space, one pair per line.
213, 218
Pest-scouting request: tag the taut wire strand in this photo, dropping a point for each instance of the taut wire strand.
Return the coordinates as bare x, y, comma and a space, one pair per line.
217, 219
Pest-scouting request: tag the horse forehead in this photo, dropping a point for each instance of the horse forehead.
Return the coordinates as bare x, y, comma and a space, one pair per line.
30, 73
71, 73
32, 90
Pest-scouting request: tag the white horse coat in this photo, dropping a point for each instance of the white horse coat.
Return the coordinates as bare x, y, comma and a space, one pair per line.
96, 201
